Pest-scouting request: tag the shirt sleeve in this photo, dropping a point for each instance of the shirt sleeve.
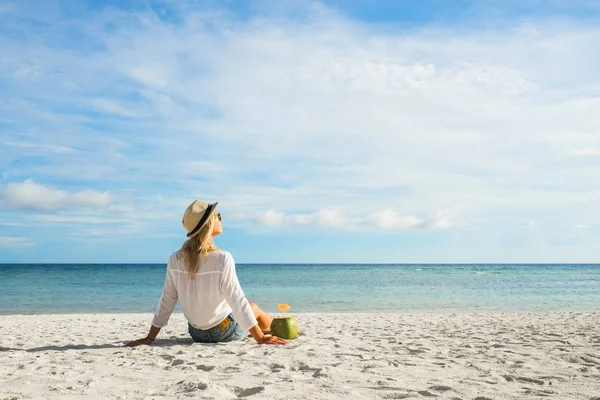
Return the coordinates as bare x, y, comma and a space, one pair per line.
167, 301
234, 295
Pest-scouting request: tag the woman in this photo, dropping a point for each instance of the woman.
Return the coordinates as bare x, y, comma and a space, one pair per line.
203, 278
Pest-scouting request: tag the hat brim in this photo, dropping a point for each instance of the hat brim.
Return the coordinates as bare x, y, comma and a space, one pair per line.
210, 210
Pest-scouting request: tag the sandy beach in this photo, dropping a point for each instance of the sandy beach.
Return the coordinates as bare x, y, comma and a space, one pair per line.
337, 356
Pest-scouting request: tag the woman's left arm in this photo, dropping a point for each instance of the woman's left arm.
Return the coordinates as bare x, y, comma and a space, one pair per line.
148, 339
165, 308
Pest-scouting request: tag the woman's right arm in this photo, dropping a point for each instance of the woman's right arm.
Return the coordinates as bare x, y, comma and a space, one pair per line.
234, 295
261, 338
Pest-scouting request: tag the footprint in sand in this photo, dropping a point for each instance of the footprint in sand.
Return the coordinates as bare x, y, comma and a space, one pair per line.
277, 367
250, 391
395, 396
510, 378
440, 388
191, 386
319, 374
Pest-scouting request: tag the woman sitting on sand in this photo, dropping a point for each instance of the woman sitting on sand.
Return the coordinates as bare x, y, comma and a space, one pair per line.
203, 278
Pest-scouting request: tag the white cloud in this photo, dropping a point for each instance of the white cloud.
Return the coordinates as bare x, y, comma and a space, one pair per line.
29, 195
405, 108
76, 219
8, 242
11, 223
386, 219
390, 219
37, 148
112, 107
126, 231
329, 218
152, 75
203, 168
442, 221
274, 114
585, 152
271, 217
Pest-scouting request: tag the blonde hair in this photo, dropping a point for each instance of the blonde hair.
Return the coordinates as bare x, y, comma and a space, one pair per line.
197, 248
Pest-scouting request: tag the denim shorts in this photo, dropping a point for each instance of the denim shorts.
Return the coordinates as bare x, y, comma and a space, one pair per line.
214, 335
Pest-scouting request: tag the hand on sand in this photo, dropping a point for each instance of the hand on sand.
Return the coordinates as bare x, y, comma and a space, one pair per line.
272, 340
147, 341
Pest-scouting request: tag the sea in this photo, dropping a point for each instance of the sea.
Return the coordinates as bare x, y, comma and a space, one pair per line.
395, 288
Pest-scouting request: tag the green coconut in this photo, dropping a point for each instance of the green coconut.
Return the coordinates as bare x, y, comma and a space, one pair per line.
285, 327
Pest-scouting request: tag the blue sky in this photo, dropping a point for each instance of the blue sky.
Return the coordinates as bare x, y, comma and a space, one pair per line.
341, 131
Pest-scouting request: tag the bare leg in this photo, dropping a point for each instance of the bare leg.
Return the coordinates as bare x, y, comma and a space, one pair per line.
264, 320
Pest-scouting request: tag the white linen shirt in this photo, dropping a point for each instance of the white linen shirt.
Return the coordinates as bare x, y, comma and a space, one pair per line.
207, 299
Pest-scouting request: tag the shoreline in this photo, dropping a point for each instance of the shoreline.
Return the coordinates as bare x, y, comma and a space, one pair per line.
273, 312
509, 355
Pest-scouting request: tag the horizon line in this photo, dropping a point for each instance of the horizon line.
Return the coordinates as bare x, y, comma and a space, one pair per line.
310, 263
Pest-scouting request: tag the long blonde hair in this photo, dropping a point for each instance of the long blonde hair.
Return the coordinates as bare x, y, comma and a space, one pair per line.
197, 248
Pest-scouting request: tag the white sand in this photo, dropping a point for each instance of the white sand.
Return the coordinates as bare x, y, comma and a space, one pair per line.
337, 356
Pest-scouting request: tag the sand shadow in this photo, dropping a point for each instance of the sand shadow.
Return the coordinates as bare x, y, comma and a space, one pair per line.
121, 345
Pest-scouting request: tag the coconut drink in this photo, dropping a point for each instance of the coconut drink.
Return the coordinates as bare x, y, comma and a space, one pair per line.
285, 327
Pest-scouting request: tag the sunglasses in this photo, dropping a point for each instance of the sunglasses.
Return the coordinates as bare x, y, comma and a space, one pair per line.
219, 216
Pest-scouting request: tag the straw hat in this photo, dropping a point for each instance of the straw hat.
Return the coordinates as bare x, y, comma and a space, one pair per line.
196, 215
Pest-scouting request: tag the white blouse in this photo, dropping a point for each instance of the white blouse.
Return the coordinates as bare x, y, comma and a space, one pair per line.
209, 298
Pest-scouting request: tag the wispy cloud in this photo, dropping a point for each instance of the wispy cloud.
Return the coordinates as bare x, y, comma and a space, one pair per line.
37, 148
386, 219
585, 152
311, 117
29, 195
8, 242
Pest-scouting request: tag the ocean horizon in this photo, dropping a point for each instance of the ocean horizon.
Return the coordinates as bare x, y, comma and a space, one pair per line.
396, 288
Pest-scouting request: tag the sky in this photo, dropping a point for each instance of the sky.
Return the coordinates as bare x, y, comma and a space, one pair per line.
338, 131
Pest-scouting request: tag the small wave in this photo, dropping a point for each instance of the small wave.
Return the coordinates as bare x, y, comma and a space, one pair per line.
325, 302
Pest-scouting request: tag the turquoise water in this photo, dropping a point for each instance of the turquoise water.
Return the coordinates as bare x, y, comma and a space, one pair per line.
60, 288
